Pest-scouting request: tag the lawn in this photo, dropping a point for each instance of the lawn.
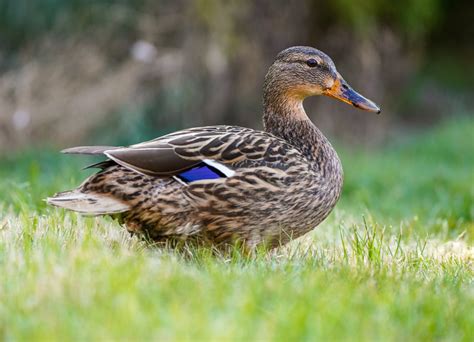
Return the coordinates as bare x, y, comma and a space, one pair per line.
394, 261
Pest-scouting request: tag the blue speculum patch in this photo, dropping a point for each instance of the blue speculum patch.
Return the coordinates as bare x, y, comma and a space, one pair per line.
200, 172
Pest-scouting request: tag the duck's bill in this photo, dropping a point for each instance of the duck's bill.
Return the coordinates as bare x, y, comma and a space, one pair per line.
343, 92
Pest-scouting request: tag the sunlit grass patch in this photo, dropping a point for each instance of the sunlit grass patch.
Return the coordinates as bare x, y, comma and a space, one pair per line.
66, 276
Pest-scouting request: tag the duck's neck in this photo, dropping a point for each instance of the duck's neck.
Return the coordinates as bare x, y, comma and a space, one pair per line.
285, 117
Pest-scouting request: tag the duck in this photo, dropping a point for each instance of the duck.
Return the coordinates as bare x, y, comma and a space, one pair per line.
226, 185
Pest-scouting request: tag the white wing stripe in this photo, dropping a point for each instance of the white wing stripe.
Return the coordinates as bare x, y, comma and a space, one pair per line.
221, 167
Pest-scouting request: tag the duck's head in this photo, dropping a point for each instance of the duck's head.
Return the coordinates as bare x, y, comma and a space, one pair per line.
301, 71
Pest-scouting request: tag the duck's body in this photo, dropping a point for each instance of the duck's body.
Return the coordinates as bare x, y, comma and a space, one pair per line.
226, 183
278, 190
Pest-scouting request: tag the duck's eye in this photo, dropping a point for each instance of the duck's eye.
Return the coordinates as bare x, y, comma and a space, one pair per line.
312, 62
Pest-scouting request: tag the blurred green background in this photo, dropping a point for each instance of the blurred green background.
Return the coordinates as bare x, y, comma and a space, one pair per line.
103, 71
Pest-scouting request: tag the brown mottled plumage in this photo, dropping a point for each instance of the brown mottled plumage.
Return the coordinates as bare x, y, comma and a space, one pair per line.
279, 183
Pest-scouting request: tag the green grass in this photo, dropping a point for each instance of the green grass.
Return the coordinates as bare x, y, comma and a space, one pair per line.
393, 262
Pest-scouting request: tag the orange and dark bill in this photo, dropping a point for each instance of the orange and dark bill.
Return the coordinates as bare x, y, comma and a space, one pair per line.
343, 92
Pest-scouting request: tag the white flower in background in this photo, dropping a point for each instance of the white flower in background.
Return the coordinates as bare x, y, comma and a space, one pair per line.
21, 119
143, 51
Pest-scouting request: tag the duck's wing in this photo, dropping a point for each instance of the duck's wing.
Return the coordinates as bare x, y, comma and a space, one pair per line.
222, 145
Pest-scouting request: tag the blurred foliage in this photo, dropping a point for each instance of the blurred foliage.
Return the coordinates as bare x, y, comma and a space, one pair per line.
206, 61
413, 18
22, 21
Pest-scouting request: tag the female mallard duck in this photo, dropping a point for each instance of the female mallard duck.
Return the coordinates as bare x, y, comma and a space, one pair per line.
228, 183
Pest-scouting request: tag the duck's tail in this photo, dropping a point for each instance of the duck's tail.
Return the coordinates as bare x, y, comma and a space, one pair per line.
88, 203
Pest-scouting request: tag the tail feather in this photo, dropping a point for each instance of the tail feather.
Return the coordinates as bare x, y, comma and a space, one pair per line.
91, 150
88, 203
